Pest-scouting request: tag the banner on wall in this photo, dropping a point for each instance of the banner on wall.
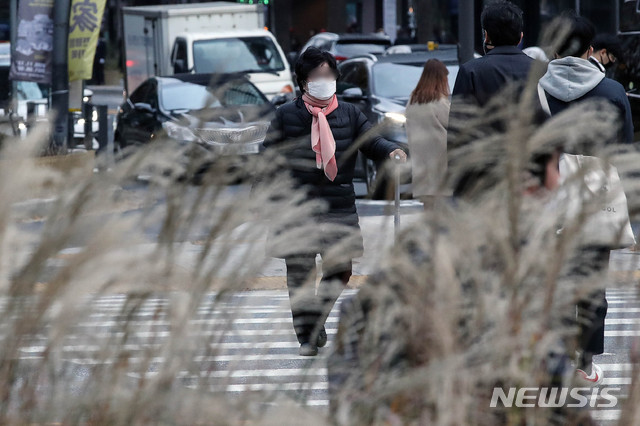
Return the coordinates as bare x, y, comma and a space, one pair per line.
34, 42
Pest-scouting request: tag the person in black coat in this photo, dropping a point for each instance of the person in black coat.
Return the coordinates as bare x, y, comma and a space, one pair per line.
480, 79
322, 164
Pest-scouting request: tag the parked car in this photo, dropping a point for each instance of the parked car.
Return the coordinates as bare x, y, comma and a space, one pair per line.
216, 115
380, 86
345, 46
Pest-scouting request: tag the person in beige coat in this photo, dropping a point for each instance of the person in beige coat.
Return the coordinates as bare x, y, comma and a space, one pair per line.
427, 116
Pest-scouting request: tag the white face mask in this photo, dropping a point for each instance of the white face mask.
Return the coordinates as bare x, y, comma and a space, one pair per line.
321, 89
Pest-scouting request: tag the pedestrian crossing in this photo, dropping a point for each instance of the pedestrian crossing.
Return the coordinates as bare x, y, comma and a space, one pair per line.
257, 353
252, 346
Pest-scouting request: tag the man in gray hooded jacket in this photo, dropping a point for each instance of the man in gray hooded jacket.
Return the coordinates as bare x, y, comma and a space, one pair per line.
571, 78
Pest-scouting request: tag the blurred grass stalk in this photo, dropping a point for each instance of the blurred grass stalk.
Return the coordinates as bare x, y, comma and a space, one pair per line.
473, 296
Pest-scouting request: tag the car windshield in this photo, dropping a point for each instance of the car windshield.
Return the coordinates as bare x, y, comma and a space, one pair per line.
28, 91
180, 95
354, 49
398, 80
229, 55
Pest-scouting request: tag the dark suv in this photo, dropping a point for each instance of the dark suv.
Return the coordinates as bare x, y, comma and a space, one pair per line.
380, 86
345, 46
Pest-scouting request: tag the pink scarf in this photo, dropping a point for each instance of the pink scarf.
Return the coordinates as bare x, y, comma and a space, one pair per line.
322, 141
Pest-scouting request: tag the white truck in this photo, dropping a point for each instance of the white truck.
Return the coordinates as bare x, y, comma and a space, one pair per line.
221, 37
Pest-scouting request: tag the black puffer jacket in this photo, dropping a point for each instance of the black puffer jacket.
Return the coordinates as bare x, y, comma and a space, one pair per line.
290, 133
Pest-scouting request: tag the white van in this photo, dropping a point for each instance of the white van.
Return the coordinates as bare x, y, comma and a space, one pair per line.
254, 52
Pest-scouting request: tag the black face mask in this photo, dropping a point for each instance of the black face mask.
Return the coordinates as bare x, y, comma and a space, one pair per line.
609, 65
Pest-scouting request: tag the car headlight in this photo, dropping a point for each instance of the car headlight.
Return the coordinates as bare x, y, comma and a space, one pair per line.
177, 132
396, 118
80, 121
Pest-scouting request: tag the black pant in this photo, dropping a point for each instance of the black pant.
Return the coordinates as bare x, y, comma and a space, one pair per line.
310, 310
591, 311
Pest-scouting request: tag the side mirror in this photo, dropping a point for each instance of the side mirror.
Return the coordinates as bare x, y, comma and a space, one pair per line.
145, 108
353, 94
179, 66
278, 100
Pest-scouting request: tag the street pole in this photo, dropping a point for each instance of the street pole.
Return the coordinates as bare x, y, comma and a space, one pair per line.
466, 30
424, 20
60, 77
13, 10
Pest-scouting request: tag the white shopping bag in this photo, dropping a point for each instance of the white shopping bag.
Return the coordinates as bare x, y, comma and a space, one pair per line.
600, 192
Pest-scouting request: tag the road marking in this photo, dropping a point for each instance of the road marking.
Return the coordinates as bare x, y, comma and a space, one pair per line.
616, 381
616, 367
222, 321
606, 414
209, 333
322, 372
617, 321
270, 387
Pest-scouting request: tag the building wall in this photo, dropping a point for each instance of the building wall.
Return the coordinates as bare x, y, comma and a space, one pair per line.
368, 20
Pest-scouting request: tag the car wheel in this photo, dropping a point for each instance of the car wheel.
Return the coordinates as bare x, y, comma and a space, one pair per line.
378, 185
117, 148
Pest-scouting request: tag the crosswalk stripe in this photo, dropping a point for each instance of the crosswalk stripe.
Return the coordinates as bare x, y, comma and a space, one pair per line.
618, 321
237, 313
621, 333
616, 381
35, 353
267, 387
223, 321
240, 310
317, 402
616, 367
623, 310
208, 333
606, 414
321, 372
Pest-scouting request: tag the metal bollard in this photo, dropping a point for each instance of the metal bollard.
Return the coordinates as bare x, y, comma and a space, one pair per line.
103, 126
32, 108
87, 113
396, 216
110, 142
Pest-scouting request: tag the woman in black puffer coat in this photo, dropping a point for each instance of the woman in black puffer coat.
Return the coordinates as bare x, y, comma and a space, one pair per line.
322, 164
